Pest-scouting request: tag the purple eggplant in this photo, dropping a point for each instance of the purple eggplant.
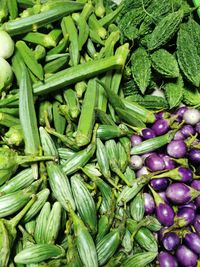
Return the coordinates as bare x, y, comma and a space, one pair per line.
190, 205
170, 241
192, 241
169, 163
196, 223
136, 162
181, 174
179, 193
177, 149
142, 171
194, 155
186, 257
163, 196
136, 140
179, 136
162, 115
155, 163
164, 213
197, 128
184, 217
187, 130
159, 184
160, 126
148, 133
180, 112
149, 204
165, 259
196, 185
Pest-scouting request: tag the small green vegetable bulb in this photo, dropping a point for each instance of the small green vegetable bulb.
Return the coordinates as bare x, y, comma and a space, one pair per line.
6, 45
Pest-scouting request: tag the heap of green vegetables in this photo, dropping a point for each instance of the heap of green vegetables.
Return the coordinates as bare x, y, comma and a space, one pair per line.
77, 79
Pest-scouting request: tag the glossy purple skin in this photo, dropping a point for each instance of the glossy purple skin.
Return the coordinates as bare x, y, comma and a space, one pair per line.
185, 216
161, 115
165, 214
165, 259
136, 140
149, 204
197, 128
146, 155
196, 185
196, 223
186, 257
194, 155
179, 136
159, 184
155, 163
161, 233
170, 241
197, 202
169, 163
192, 241
164, 197
178, 193
160, 127
187, 130
142, 171
190, 205
148, 133
186, 174
176, 149
180, 113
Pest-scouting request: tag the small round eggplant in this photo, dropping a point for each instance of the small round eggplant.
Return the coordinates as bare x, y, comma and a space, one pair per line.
186, 257
187, 130
176, 149
184, 217
165, 259
149, 204
190, 205
192, 116
155, 163
169, 163
136, 162
160, 127
194, 155
197, 128
192, 241
170, 241
163, 196
136, 140
159, 184
179, 193
148, 133
179, 136
196, 223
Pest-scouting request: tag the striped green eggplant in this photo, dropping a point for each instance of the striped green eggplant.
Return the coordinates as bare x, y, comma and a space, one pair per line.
137, 207
85, 203
73, 259
59, 184
102, 159
41, 224
42, 197
127, 242
140, 259
84, 241
146, 239
38, 253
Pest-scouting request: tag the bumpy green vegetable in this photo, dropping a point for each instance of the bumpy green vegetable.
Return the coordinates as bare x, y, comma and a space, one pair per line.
141, 68
165, 63
165, 30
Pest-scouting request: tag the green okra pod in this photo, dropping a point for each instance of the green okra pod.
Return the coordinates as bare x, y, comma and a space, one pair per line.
50, 12
56, 64
77, 73
87, 117
45, 113
40, 38
68, 27
72, 102
39, 52
8, 120
81, 157
109, 18
12, 9
58, 119
28, 57
104, 117
60, 48
106, 132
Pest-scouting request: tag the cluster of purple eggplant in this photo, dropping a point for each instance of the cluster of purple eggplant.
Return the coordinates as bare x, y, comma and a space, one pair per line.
173, 193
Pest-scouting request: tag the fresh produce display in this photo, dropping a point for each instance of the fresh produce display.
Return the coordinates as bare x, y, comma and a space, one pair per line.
100, 133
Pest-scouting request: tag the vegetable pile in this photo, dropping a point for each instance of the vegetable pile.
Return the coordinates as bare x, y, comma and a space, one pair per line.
99, 136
